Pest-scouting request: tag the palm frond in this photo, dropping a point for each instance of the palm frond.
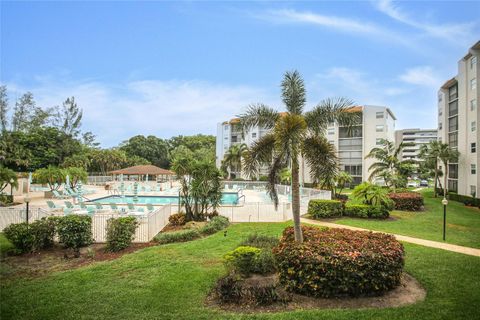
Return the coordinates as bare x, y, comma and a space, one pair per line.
293, 92
258, 115
331, 110
260, 153
321, 158
289, 130
274, 177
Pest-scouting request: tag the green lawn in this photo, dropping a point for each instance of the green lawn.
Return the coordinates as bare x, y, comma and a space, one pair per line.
171, 282
5, 245
463, 223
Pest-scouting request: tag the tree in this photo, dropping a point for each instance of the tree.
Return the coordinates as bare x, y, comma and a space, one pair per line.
232, 160
446, 154
68, 118
388, 166
429, 153
6, 176
52, 176
76, 175
154, 149
343, 178
22, 112
79, 160
3, 108
293, 134
285, 176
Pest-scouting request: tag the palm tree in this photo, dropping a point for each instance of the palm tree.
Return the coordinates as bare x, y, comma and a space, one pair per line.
342, 179
388, 165
232, 160
294, 134
430, 153
446, 155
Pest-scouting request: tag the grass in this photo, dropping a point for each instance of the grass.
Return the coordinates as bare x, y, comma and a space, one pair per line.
171, 282
463, 223
5, 245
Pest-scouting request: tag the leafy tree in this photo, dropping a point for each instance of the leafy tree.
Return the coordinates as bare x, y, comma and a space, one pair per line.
88, 139
22, 112
3, 108
195, 142
5, 176
293, 134
68, 118
232, 161
76, 175
154, 149
52, 176
105, 160
388, 165
80, 160
343, 178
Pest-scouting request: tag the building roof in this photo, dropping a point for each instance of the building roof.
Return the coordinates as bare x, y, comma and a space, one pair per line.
449, 83
143, 170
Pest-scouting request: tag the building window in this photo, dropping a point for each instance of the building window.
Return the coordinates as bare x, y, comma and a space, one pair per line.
452, 93
453, 185
453, 140
234, 139
352, 132
473, 83
254, 135
439, 97
453, 171
473, 105
453, 108
439, 126
473, 62
378, 142
331, 131
379, 115
226, 128
473, 191
473, 147
379, 128
453, 124
473, 169
439, 111
473, 126
331, 124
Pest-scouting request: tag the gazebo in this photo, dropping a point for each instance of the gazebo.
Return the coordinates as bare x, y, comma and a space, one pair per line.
144, 172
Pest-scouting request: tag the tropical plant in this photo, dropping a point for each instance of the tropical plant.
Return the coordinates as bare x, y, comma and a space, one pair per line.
6, 178
446, 155
285, 176
76, 175
388, 165
372, 194
52, 176
429, 153
342, 179
295, 134
232, 160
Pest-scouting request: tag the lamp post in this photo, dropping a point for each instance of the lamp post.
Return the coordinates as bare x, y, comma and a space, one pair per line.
27, 201
444, 202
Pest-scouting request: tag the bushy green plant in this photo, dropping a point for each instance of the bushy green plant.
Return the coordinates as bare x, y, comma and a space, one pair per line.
120, 233
407, 201
366, 211
325, 208
466, 200
43, 232
264, 263
76, 175
339, 262
372, 194
177, 219
260, 241
74, 232
52, 176
242, 259
229, 289
216, 224
20, 236
177, 236
5, 200
5, 176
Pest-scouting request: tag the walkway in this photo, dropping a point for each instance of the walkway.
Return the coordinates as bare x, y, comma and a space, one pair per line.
422, 242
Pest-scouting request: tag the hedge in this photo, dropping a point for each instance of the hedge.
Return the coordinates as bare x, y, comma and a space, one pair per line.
325, 208
216, 224
75, 231
120, 233
339, 262
31, 237
366, 211
466, 200
407, 201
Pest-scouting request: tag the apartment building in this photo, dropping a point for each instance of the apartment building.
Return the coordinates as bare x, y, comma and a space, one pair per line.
458, 119
352, 145
415, 139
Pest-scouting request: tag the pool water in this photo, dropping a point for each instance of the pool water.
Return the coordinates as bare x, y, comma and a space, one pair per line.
227, 198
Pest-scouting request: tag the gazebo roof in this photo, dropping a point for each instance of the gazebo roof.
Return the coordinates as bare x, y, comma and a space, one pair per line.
143, 170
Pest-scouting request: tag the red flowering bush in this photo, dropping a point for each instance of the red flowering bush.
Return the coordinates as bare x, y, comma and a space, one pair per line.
339, 262
407, 201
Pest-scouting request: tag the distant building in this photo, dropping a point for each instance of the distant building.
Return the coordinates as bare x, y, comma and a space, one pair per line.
458, 119
415, 138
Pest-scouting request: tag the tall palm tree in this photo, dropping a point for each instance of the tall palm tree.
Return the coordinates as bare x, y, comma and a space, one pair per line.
447, 155
429, 153
232, 161
388, 165
294, 134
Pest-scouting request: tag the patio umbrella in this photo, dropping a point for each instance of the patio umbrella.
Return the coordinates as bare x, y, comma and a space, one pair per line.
135, 191
79, 192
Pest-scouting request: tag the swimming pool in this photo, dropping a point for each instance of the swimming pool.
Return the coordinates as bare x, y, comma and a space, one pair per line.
227, 198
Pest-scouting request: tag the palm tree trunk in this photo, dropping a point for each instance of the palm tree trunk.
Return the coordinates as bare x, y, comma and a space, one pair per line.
296, 202
445, 180
436, 177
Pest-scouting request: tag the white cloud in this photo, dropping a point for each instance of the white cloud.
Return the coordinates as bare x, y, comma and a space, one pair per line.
423, 76
162, 108
457, 33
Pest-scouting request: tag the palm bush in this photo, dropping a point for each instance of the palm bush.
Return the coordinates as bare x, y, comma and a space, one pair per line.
293, 135
6, 176
372, 194
232, 161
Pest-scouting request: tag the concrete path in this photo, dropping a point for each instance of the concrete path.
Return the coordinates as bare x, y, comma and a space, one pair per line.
422, 242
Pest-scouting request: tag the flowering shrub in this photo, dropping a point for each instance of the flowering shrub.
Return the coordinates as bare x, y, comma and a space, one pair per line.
325, 208
407, 201
339, 262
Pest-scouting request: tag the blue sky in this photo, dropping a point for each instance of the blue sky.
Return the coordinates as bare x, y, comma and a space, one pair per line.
169, 68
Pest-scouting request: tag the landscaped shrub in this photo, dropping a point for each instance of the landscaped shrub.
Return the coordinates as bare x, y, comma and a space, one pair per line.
366, 211
407, 201
43, 232
75, 231
177, 219
264, 263
261, 241
5, 200
339, 262
216, 224
262, 295
242, 259
341, 197
120, 233
466, 200
20, 236
229, 289
325, 208
178, 236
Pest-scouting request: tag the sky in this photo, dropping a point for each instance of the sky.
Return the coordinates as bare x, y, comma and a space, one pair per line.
171, 68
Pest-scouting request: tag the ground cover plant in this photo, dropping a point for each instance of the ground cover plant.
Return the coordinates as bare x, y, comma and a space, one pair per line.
173, 281
214, 225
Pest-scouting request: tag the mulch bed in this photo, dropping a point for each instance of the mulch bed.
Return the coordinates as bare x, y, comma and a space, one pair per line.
410, 291
47, 261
